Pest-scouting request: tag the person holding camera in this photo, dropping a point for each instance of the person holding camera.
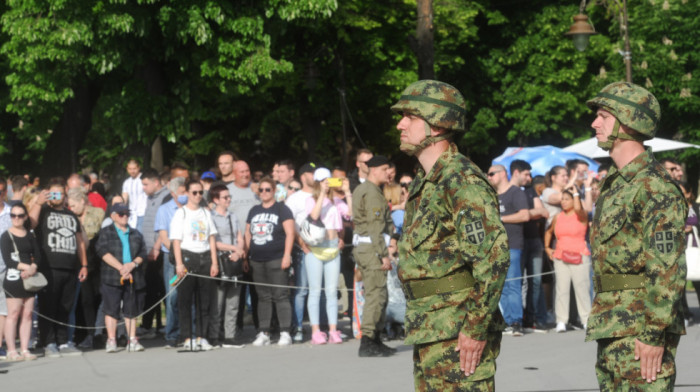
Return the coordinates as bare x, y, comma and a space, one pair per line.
323, 262
192, 235
571, 257
232, 265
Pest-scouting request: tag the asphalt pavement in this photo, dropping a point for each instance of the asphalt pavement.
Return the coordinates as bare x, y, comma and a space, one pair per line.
534, 362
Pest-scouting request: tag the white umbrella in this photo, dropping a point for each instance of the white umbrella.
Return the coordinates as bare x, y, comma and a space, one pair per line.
590, 147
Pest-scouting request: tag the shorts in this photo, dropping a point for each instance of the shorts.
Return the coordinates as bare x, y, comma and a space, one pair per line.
120, 301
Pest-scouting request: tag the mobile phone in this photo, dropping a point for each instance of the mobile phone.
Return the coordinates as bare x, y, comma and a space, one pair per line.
54, 195
335, 182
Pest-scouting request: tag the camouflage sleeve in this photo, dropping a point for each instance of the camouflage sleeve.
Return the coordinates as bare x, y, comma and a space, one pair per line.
665, 269
376, 212
483, 244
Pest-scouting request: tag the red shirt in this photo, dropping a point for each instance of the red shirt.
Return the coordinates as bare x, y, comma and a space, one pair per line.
97, 200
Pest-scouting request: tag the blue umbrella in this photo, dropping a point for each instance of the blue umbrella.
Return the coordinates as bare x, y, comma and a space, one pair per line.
541, 158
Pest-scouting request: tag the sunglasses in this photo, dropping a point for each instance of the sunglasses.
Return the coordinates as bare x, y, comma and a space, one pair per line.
225, 197
122, 214
265, 190
405, 184
493, 173
292, 188
196, 193
18, 216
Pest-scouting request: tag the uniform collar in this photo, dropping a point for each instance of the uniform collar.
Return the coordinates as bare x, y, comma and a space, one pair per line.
632, 169
436, 172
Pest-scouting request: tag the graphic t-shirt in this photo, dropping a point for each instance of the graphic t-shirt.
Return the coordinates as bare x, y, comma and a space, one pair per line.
193, 228
58, 231
267, 233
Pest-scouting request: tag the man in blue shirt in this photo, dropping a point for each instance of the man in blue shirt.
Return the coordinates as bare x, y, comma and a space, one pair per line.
165, 214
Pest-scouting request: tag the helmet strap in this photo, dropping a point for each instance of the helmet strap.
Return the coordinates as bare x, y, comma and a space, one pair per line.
411, 150
608, 144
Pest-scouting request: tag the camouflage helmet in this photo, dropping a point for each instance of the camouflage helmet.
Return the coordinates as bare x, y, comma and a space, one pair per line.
439, 104
632, 105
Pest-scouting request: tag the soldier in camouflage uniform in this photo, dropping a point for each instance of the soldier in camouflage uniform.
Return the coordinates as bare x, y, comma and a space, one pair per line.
638, 249
454, 250
373, 225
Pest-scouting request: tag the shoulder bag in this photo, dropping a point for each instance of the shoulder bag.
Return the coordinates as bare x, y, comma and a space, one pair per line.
227, 267
692, 258
35, 282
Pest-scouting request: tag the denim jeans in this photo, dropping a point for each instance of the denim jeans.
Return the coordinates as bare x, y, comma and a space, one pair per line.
172, 326
395, 313
317, 272
512, 297
533, 257
301, 292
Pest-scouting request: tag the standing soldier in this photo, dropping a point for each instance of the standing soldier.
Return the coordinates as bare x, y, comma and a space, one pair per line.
454, 250
373, 226
638, 249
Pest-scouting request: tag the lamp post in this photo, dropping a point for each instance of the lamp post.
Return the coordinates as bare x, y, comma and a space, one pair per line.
581, 30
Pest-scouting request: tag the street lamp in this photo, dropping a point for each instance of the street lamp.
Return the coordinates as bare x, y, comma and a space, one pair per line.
581, 30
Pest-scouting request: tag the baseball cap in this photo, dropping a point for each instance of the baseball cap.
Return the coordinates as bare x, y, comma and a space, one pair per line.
377, 160
307, 168
119, 208
208, 174
321, 174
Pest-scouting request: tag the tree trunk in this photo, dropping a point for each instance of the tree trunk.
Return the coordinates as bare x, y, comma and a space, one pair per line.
60, 158
423, 44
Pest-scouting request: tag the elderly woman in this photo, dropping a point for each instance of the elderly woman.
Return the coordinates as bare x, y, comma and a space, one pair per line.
91, 218
123, 285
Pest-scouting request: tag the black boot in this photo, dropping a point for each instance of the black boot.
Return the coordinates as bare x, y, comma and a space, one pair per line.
383, 348
368, 348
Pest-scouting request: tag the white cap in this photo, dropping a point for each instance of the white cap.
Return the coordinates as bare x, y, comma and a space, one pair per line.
321, 174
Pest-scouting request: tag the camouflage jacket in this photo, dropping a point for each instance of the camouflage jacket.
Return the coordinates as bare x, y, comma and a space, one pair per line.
452, 222
638, 229
372, 217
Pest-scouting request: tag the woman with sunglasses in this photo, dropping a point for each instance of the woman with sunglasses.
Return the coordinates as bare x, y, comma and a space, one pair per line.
20, 251
193, 238
269, 237
323, 262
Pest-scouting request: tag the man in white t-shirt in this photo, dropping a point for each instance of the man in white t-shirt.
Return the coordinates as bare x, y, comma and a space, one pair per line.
133, 194
297, 203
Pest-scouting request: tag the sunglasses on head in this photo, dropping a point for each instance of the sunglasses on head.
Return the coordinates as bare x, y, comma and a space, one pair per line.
18, 216
265, 190
195, 193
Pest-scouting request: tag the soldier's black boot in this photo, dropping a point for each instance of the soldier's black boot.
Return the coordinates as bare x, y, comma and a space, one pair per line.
383, 348
368, 348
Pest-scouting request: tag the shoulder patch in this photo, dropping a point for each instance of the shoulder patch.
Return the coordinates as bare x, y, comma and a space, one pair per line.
377, 212
475, 232
664, 242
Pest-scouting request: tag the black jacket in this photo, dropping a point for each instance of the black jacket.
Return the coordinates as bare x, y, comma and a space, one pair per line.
109, 242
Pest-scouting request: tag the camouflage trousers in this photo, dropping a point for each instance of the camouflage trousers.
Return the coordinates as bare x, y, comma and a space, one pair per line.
436, 367
618, 371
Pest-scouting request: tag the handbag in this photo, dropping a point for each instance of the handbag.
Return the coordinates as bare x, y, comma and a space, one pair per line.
35, 282
692, 258
227, 267
571, 257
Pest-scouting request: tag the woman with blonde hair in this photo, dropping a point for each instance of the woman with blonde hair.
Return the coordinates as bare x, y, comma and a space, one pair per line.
392, 194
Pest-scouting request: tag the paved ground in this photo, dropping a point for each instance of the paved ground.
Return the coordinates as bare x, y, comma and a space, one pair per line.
534, 362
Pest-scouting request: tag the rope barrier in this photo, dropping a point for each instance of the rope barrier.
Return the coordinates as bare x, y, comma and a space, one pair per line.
172, 291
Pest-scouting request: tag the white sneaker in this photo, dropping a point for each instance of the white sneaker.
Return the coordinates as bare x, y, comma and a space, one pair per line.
262, 339
203, 344
561, 327
285, 339
134, 345
188, 344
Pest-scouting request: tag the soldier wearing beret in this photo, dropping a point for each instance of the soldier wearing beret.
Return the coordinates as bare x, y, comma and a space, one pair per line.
373, 225
638, 248
454, 250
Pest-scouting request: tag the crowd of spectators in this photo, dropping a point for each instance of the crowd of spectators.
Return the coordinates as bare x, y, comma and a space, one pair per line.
221, 248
